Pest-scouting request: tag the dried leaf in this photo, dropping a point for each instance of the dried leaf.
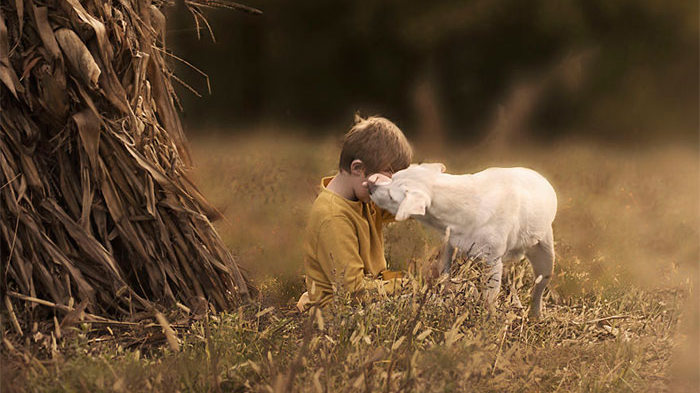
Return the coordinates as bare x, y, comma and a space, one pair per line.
19, 6
97, 26
7, 73
41, 20
89, 130
78, 57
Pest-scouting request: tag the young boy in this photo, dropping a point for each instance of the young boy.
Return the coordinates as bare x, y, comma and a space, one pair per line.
343, 240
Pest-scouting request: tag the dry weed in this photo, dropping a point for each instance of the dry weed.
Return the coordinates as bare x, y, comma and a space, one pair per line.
618, 315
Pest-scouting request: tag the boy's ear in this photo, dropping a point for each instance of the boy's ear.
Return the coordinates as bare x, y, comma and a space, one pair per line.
414, 204
357, 118
357, 167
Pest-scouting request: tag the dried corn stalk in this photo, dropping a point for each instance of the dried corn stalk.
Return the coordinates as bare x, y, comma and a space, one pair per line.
95, 203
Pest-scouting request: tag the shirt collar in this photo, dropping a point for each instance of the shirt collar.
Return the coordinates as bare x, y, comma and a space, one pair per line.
354, 205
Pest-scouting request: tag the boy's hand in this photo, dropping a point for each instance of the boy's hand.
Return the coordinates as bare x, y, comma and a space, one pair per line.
390, 274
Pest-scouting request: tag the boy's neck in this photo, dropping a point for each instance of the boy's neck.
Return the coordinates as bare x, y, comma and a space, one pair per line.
342, 184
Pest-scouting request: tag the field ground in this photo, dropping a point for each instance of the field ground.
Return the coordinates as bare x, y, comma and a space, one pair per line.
622, 313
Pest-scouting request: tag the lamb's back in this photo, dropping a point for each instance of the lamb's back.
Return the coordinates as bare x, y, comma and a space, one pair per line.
519, 191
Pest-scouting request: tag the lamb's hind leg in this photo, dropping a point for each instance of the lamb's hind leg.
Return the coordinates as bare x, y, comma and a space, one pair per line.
492, 274
510, 281
541, 257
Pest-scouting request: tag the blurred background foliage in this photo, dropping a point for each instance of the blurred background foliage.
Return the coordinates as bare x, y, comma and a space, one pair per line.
613, 70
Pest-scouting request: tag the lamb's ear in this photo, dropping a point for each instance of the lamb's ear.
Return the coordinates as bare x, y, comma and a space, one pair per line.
414, 204
435, 166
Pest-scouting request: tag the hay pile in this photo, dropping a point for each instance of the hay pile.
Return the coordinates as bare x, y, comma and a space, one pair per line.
95, 204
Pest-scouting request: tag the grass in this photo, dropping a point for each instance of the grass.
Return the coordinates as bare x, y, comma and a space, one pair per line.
621, 315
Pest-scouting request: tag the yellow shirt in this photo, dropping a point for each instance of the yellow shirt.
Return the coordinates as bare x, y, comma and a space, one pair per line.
343, 243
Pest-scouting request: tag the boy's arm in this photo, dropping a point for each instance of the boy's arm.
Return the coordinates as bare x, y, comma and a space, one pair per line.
338, 253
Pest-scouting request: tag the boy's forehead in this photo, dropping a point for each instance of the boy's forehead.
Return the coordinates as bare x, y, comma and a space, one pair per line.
387, 171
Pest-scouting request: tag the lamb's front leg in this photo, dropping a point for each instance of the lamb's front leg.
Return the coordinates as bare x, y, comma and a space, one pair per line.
448, 253
492, 274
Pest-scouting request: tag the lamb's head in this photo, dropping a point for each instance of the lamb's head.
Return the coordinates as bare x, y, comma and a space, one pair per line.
407, 193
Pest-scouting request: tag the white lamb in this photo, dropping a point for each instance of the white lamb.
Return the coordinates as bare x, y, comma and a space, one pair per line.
499, 214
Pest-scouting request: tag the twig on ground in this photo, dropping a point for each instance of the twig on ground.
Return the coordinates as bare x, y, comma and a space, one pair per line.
93, 318
13, 317
604, 319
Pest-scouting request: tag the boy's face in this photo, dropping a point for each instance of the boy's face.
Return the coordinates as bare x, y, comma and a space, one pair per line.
359, 175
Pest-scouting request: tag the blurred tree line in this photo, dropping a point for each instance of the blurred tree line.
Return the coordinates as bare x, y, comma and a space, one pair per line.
612, 69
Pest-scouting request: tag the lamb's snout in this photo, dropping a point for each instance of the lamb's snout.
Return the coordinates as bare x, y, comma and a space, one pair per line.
377, 179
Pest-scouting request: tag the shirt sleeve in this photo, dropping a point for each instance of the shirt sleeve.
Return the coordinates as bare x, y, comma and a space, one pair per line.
338, 254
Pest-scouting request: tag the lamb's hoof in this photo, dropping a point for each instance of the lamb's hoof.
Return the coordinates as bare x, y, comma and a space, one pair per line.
534, 317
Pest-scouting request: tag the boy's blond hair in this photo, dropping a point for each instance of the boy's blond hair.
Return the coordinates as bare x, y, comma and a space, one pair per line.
378, 143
